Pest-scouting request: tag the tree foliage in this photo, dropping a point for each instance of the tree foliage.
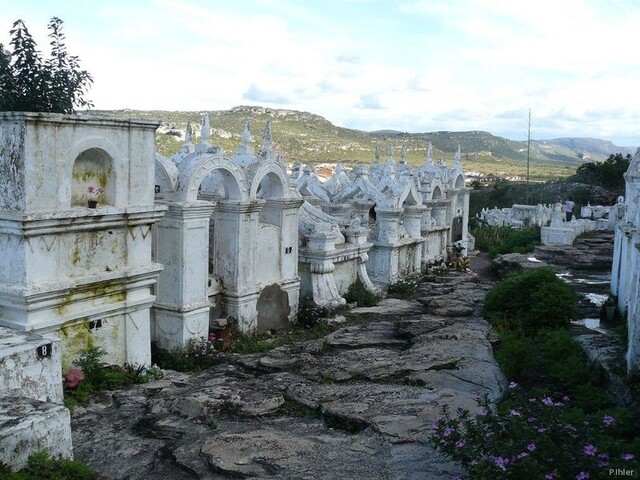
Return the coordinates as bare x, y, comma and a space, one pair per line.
608, 174
30, 84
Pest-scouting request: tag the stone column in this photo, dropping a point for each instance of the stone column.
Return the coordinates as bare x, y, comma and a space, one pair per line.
182, 309
236, 233
388, 219
413, 226
413, 220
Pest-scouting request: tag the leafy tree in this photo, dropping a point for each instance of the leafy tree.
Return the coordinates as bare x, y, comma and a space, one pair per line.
608, 174
27, 83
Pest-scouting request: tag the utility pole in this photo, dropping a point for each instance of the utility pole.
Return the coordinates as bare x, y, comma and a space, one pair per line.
528, 151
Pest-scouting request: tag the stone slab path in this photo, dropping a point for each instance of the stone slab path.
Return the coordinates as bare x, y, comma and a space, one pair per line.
356, 404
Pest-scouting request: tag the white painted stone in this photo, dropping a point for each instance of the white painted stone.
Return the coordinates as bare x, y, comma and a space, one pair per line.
229, 240
65, 266
25, 373
28, 425
625, 281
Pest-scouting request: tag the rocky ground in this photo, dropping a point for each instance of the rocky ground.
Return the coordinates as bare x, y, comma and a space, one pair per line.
358, 403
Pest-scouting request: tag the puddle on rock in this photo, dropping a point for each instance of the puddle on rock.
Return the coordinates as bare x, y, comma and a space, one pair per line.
591, 324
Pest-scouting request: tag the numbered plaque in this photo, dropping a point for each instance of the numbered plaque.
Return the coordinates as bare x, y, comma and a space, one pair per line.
44, 351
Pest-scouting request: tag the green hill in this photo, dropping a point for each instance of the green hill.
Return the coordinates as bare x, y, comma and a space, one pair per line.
308, 138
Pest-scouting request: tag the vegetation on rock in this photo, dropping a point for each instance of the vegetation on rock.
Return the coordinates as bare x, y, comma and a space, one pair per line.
530, 301
40, 466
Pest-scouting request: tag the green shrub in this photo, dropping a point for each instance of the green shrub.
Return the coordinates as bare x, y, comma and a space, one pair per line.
516, 355
40, 466
533, 300
501, 240
359, 295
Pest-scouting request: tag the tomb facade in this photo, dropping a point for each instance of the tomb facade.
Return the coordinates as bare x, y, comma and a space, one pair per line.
229, 241
625, 281
82, 274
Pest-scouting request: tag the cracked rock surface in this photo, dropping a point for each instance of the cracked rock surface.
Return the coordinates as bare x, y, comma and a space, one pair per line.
358, 403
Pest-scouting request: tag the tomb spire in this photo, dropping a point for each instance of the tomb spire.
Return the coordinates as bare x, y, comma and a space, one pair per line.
429, 160
205, 131
458, 158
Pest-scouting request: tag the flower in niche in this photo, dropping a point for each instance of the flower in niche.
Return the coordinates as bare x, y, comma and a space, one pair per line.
93, 192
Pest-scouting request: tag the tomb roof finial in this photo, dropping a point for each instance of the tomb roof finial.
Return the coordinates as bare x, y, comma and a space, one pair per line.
389, 152
403, 154
267, 140
188, 134
458, 158
205, 131
376, 154
246, 134
429, 159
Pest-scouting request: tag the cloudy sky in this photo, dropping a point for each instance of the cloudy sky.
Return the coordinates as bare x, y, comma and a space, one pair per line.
411, 65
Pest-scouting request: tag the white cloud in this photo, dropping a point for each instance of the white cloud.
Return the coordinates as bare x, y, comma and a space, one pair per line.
415, 66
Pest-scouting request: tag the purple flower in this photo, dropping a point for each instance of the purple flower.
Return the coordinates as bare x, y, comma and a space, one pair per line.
500, 463
530, 419
627, 456
608, 420
582, 476
531, 447
461, 443
447, 432
541, 430
483, 412
514, 413
603, 455
532, 400
566, 398
550, 476
513, 384
523, 454
547, 401
589, 450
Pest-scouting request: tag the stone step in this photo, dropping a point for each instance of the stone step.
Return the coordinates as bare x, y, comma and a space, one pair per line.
30, 366
28, 425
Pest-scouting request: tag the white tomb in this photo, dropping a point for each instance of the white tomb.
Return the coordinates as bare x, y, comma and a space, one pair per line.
625, 281
83, 274
229, 241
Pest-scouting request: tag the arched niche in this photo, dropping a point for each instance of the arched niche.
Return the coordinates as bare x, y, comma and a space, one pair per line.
93, 178
459, 183
436, 193
193, 172
270, 186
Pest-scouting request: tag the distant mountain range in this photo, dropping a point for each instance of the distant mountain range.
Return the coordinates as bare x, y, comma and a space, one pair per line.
309, 138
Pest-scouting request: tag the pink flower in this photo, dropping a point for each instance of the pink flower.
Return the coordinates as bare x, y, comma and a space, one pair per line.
73, 377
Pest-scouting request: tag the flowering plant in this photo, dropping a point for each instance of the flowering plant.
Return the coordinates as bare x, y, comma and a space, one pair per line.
93, 192
73, 377
534, 437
